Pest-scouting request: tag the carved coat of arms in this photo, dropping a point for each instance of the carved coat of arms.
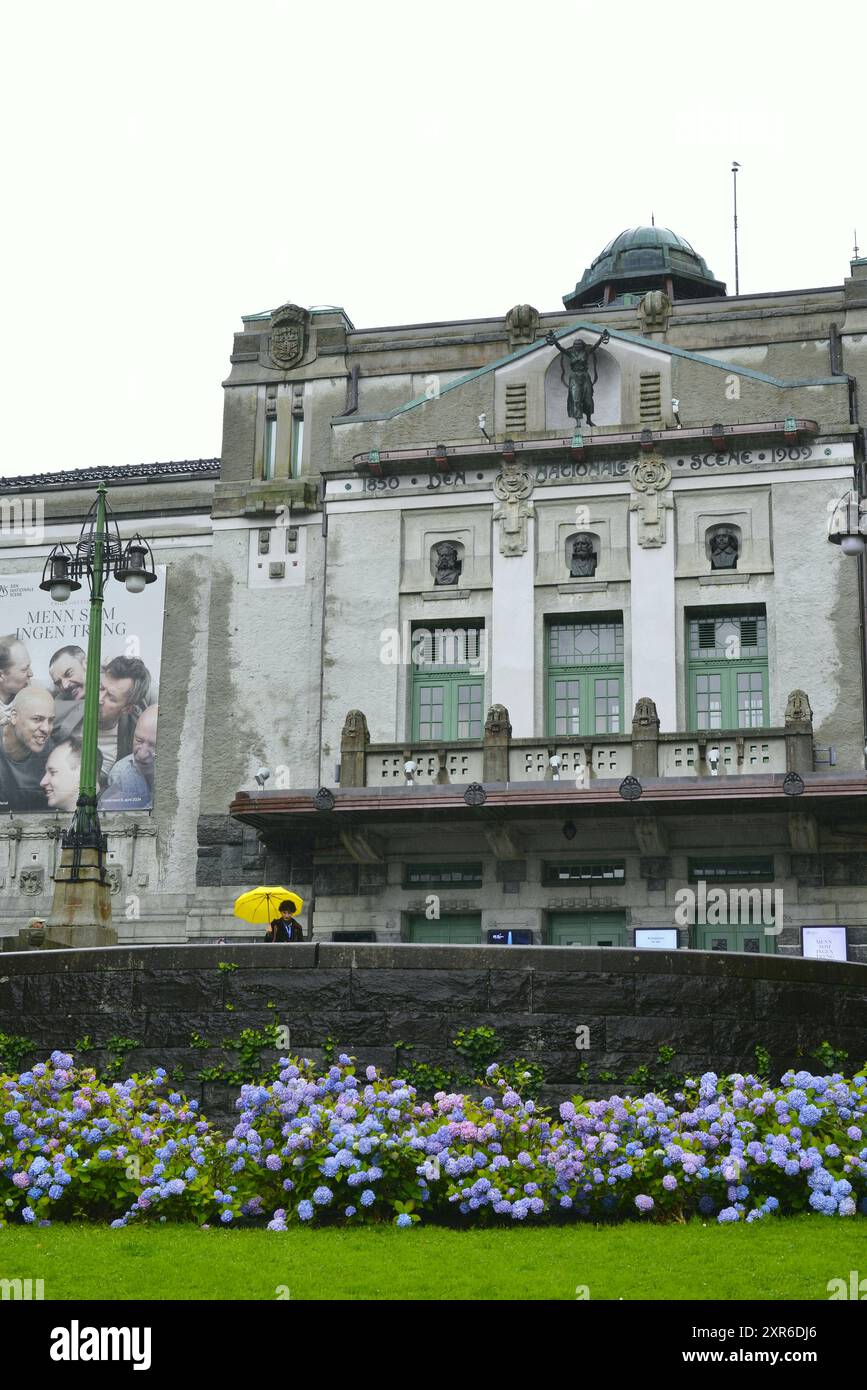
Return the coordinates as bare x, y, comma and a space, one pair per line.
288, 335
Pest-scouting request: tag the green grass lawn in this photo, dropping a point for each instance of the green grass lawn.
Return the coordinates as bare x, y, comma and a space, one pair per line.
790, 1258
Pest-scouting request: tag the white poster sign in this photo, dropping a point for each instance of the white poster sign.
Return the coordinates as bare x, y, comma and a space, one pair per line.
824, 943
656, 939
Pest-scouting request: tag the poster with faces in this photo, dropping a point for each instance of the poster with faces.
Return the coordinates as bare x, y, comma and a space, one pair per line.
43, 680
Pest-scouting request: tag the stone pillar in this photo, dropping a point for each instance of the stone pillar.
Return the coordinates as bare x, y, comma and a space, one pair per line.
651, 563
354, 739
799, 733
513, 602
81, 911
645, 739
495, 758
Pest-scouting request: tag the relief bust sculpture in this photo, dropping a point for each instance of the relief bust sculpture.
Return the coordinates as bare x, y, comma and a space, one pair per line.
448, 564
583, 563
724, 551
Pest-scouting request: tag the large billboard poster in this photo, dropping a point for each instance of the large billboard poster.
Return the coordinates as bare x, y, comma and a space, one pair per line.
43, 664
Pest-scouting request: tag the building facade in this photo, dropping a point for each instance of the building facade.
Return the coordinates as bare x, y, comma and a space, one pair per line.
533, 623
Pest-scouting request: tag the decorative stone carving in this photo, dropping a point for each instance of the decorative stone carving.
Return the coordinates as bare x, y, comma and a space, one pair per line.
798, 709
114, 875
650, 476
654, 312
646, 715
448, 563
324, 800
498, 721
793, 784
513, 486
475, 794
31, 882
288, 335
522, 325
583, 563
723, 546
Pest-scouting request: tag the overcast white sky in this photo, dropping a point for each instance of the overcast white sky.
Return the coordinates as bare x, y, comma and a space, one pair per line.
169, 167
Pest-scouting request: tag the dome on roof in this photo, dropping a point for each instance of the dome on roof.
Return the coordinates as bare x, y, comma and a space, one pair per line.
640, 259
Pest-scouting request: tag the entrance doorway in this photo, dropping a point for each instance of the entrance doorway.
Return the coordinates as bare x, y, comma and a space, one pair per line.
460, 930
753, 939
587, 929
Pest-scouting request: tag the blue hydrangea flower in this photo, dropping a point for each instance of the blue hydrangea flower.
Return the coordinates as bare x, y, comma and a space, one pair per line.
403, 1221
305, 1211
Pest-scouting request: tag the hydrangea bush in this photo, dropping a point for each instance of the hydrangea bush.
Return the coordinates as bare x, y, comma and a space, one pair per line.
355, 1149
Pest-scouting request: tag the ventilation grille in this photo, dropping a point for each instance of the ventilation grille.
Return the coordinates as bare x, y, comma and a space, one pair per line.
650, 407
516, 407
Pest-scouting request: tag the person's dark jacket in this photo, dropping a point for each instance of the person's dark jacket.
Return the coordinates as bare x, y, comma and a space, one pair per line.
285, 931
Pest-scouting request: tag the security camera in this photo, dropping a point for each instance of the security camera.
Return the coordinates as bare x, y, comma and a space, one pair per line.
262, 775
554, 764
410, 770
713, 761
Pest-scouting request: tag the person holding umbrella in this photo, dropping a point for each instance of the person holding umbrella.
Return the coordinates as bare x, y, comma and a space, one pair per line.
284, 927
274, 908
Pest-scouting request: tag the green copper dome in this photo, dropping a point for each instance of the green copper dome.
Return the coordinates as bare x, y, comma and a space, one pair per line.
644, 258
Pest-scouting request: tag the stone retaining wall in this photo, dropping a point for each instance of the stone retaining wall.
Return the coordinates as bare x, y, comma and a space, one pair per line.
712, 1008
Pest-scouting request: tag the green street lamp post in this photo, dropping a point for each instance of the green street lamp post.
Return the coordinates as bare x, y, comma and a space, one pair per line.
81, 910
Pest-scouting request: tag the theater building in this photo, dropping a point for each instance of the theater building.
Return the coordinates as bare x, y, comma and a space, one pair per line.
508, 670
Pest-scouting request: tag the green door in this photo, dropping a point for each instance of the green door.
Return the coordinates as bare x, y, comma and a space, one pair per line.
587, 929
753, 939
460, 930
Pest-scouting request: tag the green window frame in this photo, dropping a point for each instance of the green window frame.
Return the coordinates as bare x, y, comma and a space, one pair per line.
746, 870
727, 670
613, 872
584, 676
448, 683
442, 875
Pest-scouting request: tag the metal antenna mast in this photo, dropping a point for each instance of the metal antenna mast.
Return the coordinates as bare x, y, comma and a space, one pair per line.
735, 167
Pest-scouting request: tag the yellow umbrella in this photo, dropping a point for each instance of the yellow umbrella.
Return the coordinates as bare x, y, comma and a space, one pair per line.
261, 905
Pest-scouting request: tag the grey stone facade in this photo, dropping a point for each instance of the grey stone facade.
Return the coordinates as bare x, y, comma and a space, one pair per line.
348, 457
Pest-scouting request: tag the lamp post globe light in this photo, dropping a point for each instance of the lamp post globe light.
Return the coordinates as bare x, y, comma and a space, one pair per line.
848, 523
81, 910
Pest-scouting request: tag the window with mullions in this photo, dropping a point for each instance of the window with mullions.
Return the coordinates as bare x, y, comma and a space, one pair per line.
727, 664
585, 873
448, 682
726, 870
585, 677
442, 876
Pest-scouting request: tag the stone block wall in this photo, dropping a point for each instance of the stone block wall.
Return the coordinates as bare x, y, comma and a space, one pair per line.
713, 1009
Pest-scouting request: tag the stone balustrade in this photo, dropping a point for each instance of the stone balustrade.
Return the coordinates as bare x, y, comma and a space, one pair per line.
646, 752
